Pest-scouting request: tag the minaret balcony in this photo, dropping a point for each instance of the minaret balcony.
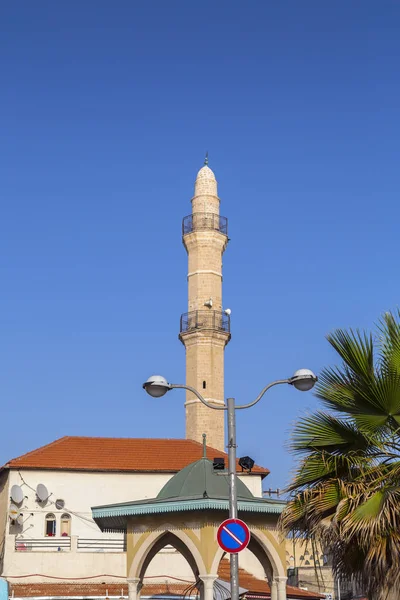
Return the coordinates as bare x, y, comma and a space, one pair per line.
204, 222
215, 320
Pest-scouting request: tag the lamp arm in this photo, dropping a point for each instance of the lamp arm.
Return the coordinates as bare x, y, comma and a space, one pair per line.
196, 393
261, 394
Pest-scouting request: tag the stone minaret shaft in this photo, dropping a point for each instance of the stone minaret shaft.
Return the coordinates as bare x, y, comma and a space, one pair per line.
205, 328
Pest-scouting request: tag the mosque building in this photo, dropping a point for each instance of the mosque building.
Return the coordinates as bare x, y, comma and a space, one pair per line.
101, 518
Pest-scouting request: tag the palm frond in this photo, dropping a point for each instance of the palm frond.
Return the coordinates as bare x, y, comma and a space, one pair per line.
347, 485
356, 350
389, 342
325, 431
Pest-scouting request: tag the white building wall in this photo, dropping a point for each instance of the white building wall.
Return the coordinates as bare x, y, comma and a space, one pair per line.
80, 492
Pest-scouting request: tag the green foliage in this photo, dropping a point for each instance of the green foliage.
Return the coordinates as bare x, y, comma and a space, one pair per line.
346, 490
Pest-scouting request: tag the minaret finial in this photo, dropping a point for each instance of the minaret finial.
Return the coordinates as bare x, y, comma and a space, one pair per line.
204, 445
206, 159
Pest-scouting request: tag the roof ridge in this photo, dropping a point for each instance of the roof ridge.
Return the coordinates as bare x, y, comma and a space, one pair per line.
106, 437
95, 453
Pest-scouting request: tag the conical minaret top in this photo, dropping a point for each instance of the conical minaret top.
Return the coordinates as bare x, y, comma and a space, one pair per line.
205, 328
206, 184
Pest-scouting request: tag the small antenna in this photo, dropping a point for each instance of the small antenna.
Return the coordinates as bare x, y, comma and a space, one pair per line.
206, 159
204, 445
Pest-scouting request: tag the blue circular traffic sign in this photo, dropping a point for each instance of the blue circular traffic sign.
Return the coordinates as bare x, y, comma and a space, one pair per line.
233, 535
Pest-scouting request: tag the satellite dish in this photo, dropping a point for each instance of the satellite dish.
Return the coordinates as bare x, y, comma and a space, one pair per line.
60, 503
227, 311
42, 492
20, 519
14, 512
17, 495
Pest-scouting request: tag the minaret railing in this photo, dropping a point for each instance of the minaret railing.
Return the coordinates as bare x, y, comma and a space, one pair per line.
216, 320
204, 222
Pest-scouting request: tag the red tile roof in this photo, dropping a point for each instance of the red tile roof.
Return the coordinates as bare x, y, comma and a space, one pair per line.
64, 589
28, 590
260, 587
140, 455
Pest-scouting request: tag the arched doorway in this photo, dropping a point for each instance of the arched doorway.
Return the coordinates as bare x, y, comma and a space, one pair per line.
165, 540
149, 547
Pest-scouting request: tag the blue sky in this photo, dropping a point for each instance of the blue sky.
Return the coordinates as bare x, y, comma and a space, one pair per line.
106, 112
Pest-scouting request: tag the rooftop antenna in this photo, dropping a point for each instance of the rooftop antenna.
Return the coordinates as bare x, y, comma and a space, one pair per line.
204, 445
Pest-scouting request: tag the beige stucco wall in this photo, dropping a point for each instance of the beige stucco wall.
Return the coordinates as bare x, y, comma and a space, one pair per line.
4, 496
309, 559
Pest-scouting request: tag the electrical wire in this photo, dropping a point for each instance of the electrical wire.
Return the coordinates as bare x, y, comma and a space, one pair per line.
76, 514
94, 577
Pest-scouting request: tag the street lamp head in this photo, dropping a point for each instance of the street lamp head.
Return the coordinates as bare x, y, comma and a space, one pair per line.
156, 386
303, 380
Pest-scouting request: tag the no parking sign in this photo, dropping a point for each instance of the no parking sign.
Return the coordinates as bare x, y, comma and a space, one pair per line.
233, 535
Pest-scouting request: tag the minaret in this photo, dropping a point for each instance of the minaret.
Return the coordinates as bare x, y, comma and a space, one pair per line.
205, 328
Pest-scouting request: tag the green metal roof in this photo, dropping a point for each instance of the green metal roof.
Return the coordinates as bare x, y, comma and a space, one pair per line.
201, 480
196, 487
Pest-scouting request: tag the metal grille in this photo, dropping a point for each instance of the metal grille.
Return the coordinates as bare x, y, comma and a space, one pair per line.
205, 319
99, 545
48, 544
204, 221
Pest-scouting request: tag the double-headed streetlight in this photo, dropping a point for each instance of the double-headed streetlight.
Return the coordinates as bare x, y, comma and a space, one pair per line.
157, 386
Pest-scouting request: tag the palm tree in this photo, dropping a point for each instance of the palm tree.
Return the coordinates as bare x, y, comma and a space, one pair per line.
345, 492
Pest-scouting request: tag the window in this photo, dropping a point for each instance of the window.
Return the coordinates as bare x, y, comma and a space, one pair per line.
50, 525
65, 525
307, 562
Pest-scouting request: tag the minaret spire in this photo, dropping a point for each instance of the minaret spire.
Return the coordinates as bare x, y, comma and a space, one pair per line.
205, 328
204, 445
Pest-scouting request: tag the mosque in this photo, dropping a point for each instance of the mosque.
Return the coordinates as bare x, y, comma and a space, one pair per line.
100, 518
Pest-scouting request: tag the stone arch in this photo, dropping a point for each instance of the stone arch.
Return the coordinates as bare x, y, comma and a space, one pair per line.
158, 540
264, 549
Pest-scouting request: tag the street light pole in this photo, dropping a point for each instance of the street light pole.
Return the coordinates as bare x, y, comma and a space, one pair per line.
234, 558
157, 386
